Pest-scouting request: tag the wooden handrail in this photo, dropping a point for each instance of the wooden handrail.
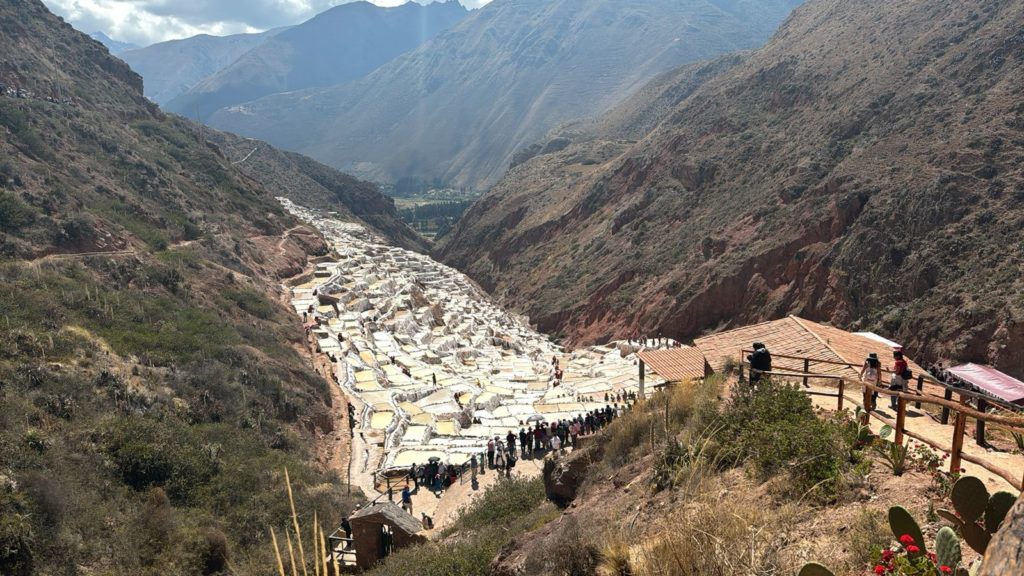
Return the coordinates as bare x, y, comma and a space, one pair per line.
927, 377
1016, 423
963, 411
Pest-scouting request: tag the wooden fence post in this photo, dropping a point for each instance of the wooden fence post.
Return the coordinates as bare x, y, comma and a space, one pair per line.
842, 387
920, 389
979, 424
807, 369
945, 411
958, 442
901, 419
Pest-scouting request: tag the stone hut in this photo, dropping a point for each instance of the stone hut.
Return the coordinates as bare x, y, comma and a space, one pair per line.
380, 529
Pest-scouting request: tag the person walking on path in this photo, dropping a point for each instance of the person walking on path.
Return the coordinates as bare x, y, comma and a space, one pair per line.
472, 467
869, 374
900, 376
510, 442
524, 442
407, 498
412, 474
490, 452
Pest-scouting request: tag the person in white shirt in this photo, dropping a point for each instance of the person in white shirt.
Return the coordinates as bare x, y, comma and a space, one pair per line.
556, 445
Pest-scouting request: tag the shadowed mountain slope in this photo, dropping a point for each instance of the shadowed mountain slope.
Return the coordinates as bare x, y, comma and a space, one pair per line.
172, 68
339, 45
864, 168
455, 110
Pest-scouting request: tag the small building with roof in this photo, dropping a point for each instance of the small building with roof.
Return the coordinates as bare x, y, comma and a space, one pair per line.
674, 365
380, 529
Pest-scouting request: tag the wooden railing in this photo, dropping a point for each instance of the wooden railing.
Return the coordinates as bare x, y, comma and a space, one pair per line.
961, 409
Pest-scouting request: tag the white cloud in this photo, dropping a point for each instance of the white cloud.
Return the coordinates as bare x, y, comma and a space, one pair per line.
147, 21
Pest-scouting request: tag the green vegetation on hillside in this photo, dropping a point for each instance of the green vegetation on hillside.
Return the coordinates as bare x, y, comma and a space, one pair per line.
151, 385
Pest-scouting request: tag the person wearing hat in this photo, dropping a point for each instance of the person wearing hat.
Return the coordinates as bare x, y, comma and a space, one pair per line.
869, 374
760, 362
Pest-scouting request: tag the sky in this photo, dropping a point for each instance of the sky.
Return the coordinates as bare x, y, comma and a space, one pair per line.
144, 22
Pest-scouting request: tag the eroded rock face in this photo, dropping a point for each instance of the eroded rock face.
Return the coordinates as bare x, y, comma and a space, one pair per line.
564, 476
832, 174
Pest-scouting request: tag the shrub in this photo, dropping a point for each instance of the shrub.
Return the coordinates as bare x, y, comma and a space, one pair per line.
147, 453
470, 556
776, 430
503, 503
14, 213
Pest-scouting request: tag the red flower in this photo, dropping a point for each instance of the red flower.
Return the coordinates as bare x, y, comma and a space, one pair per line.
906, 539
932, 557
879, 569
913, 549
886, 555
945, 569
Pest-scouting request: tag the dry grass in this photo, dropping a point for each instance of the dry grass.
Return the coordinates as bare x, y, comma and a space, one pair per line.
710, 536
317, 538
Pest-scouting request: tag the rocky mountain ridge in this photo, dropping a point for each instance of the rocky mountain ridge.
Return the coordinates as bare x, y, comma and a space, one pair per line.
862, 168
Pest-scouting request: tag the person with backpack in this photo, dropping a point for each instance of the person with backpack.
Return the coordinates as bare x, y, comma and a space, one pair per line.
900, 376
760, 362
490, 453
870, 373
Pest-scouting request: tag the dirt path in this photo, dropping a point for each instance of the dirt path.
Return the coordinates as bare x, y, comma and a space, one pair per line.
924, 424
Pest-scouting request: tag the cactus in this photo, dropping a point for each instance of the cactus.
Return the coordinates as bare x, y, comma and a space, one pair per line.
814, 569
901, 522
970, 498
947, 547
998, 507
972, 503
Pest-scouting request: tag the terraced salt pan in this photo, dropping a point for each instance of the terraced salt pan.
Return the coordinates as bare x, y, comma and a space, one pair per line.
422, 352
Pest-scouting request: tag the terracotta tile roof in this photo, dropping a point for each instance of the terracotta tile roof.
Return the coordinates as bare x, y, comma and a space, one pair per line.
783, 337
853, 348
794, 336
675, 364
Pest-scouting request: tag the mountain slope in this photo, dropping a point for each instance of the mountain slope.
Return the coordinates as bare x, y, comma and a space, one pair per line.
339, 45
312, 184
456, 109
864, 167
172, 68
153, 385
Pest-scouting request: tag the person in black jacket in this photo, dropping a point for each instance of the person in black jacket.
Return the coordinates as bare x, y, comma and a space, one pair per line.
760, 362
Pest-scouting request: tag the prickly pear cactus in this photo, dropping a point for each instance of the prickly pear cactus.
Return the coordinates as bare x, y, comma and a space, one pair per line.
973, 504
814, 569
970, 498
947, 547
901, 522
998, 507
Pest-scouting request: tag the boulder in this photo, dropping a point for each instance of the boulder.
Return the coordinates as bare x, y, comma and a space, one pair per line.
564, 476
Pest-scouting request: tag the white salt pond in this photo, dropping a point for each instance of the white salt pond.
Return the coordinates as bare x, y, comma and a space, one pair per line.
434, 366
